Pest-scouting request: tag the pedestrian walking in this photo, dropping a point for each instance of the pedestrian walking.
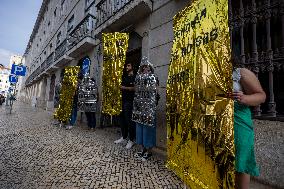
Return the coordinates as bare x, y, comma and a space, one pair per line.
127, 88
247, 91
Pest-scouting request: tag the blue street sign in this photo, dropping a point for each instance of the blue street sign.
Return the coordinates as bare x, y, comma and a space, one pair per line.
18, 70
86, 66
13, 78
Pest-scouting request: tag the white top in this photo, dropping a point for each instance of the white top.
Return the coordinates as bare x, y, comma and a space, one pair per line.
236, 80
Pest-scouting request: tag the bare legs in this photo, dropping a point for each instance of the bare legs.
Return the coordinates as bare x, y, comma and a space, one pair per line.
242, 181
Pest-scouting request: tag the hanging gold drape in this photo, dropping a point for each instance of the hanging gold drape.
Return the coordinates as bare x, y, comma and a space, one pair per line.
114, 52
69, 87
199, 116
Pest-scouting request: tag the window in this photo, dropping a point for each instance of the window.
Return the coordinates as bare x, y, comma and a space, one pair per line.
70, 23
44, 32
44, 53
48, 23
62, 7
88, 2
40, 39
55, 10
58, 38
50, 46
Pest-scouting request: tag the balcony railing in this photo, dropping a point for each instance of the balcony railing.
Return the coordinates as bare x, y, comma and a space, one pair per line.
42, 66
49, 60
60, 50
108, 8
82, 30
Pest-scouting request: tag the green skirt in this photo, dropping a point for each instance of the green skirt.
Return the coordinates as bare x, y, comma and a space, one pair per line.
244, 141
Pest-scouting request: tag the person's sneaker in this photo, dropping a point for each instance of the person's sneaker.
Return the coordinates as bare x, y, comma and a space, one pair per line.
138, 155
146, 156
129, 144
69, 127
119, 140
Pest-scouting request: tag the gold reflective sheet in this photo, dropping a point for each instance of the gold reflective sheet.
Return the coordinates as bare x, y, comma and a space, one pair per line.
114, 51
199, 117
69, 86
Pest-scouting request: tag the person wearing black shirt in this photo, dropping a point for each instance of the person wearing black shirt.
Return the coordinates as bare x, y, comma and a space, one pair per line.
128, 91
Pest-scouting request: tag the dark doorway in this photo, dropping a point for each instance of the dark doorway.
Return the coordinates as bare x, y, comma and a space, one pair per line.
134, 51
52, 86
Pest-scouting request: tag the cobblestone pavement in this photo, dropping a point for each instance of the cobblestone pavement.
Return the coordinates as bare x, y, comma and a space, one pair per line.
36, 154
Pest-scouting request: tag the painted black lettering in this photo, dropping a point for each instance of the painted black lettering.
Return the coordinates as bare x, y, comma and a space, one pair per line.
183, 51
213, 34
203, 13
198, 41
193, 24
206, 38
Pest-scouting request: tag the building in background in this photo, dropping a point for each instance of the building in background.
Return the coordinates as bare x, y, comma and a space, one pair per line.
4, 81
4, 75
66, 33
15, 59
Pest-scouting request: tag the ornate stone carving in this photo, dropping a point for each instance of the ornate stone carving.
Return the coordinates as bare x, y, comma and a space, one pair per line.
272, 109
281, 8
255, 68
262, 67
254, 19
257, 111
270, 67
267, 14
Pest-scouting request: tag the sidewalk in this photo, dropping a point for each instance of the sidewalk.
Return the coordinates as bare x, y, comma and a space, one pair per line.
36, 154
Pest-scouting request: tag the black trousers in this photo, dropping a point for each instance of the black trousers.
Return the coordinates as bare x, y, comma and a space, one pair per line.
128, 126
91, 119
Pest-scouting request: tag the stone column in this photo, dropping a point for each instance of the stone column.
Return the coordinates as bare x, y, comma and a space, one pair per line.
254, 59
254, 44
242, 32
270, 67
282, 22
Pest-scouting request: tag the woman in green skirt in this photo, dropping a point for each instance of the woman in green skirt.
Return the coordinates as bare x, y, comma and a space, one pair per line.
247, 92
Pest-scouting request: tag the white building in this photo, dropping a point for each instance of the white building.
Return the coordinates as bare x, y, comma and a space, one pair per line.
5, 72
4, 81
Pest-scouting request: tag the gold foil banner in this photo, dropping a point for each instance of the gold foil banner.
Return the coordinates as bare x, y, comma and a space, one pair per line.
114, 52
199, 117
69, 87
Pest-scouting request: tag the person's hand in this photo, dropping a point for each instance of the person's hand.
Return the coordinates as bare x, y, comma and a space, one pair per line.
240, 97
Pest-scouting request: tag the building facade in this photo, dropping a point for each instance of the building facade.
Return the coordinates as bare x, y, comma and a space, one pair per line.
4, 81
67, 32
5, 72
17, 60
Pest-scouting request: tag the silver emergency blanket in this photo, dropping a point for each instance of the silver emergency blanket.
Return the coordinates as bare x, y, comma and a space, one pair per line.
87, 95
144, 104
